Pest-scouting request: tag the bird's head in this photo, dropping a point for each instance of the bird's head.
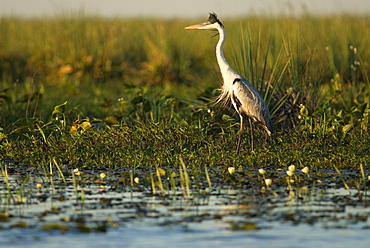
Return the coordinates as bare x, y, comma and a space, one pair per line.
212, 23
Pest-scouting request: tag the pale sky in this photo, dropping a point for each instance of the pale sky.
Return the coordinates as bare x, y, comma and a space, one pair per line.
180, 8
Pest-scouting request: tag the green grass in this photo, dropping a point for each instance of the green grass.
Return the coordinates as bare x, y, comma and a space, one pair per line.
140, 92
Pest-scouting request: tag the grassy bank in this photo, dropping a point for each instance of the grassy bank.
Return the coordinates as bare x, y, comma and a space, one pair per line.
140, 92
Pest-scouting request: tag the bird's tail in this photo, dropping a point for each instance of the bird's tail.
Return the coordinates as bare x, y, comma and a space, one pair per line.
224, 97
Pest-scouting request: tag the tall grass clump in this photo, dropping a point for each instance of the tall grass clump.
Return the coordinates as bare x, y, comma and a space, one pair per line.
300, 63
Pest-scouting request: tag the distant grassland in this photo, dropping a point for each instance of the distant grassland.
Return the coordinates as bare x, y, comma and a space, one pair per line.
92, 62
129, 49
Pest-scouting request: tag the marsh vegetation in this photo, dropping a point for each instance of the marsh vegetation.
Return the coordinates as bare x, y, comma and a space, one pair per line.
114, 108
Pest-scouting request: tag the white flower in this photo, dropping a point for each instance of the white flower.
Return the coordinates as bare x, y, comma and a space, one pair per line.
305, 170
262, 171
289, 173
291, 168
268, 182
231, 170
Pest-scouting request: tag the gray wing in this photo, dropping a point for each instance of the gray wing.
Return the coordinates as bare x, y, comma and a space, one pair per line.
249, 102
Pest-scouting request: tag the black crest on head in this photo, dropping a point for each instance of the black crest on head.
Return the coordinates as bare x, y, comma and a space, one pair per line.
213, 18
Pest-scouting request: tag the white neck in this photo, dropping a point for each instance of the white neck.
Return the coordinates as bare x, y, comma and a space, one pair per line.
222, 63
227, 73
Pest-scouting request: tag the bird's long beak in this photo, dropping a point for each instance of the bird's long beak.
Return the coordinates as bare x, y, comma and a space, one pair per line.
197, 26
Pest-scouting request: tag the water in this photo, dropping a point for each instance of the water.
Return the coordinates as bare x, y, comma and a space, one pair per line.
198, 235
205, 234
238, 212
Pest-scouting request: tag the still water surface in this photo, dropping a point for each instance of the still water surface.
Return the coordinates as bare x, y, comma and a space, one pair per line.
231, 215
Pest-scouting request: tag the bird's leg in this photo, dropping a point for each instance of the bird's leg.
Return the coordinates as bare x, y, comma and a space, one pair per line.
240, 134
252, 134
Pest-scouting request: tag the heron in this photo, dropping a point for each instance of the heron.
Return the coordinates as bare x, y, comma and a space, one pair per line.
245, 99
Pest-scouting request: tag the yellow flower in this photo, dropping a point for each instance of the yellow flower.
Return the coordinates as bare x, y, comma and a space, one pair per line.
262, 171
289, 173
39, 185
291, 168
77, 172
305, 170
268, 182
136, 180
231, 170
102, 175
